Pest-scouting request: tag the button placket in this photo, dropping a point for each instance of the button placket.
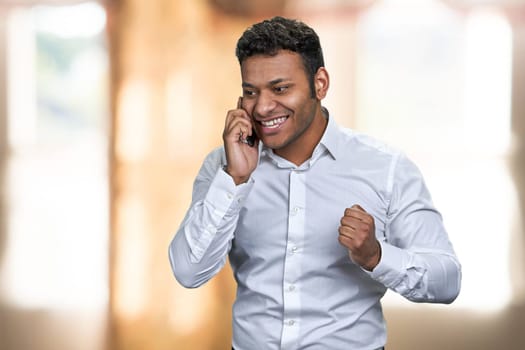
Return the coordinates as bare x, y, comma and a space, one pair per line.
292, 264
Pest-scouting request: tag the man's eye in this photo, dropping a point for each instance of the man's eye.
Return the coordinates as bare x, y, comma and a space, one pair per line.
281, 89
248, 93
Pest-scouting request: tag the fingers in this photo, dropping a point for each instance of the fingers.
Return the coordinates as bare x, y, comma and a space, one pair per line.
357, 225
237, 114
357, 234
239, 103
238, 124
356, 211
237, 131
345, 241
355, 215
347, 231
352, 229
358, 207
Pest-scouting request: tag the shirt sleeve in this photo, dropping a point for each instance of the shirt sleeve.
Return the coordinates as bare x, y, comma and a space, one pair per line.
199, 248
418, 260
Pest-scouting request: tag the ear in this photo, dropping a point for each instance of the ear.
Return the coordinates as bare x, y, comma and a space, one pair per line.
321, 83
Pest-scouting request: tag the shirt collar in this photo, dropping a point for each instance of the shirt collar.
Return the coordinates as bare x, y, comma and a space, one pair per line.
329, 141
330, 138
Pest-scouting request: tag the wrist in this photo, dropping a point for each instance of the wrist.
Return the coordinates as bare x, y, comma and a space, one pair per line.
375, 259
236, 179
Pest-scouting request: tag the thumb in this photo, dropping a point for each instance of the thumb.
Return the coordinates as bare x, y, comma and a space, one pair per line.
358, 207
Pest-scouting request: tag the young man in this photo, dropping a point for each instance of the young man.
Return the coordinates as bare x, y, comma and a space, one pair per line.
317, 221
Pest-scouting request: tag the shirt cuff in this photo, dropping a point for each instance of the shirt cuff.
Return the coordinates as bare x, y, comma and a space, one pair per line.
223, 195
391, 267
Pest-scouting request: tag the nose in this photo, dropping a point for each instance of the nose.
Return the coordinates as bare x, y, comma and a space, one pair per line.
264, 104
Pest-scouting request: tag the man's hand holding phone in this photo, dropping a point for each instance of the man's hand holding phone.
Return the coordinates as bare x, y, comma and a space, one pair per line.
240, 144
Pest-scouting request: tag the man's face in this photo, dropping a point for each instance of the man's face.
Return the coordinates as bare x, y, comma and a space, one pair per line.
277, 95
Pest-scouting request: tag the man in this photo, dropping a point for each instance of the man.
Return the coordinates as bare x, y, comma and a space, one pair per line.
317, 221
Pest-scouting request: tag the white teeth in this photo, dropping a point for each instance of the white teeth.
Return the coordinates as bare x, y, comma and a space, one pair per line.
274, 122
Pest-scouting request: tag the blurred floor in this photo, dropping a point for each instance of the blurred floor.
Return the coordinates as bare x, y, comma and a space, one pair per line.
425, 327
51, 330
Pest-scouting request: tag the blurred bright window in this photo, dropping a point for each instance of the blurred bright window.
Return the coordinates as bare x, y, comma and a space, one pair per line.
437, 84
56, 253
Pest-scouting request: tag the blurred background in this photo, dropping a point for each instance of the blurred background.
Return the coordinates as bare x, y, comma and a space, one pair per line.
107, 109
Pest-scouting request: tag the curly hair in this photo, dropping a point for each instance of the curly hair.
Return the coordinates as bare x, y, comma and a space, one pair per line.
279, 33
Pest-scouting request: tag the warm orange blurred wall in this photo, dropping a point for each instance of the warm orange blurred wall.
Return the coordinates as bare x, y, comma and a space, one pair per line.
174, 76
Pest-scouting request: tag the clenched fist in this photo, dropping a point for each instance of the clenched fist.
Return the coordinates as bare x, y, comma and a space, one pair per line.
357, 234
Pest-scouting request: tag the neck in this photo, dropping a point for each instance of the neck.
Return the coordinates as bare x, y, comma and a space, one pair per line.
311, 137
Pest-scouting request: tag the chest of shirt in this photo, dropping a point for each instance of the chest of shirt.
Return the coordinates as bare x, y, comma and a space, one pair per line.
301, 209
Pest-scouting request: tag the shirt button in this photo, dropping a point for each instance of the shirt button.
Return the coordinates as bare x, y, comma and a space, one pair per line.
291, 322
294, 249
230, 195
291, 288
295, 210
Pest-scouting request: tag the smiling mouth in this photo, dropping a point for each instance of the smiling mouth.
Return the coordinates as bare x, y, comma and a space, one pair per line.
273, 123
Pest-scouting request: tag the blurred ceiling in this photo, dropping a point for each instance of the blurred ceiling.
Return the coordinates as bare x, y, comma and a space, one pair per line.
249, 8
266, 7
5, 4
40, 2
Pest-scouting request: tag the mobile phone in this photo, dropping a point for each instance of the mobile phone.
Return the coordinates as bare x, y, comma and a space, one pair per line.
250, 140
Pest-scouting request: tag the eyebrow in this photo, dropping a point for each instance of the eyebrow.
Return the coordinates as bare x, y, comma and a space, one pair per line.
270, 83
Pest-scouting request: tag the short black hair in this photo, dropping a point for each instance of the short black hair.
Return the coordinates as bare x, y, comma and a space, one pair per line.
279, 33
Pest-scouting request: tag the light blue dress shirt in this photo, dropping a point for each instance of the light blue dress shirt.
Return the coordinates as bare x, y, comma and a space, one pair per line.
297, 286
